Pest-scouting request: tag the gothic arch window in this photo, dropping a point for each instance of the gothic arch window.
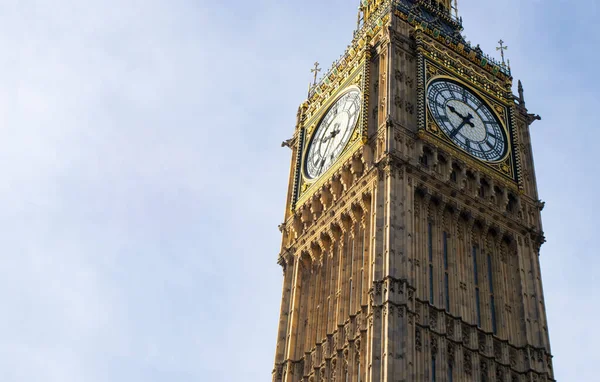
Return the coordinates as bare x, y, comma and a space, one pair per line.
455, 171
470, 180
512, 203
442, 164
426, 157
484, 187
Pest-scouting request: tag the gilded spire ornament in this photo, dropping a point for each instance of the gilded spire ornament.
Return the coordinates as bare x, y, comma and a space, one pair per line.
316, 71
502, 48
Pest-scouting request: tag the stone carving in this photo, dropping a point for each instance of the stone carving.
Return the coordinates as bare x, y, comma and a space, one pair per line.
398, 101
468, 365
399, 75
466, 334
483, 368
482, 344
434, 346
451, 353
498, 350
499, 374
432, 318
333, 369
450, 328
418, 340
513, 358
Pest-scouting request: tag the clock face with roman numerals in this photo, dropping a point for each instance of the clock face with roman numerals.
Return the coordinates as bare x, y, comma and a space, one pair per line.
467, 120
333, 133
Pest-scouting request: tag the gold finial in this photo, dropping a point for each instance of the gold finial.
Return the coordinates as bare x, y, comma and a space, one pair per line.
502, 48
316, 71
358, 18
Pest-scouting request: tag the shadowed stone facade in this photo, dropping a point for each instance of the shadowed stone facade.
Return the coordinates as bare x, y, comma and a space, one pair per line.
409, 259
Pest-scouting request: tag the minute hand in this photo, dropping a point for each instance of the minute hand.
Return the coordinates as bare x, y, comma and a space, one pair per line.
457, 130
324, 159
453, 109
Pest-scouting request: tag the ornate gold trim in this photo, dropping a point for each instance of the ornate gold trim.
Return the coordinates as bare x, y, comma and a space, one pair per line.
313, 129
431, 132
499, 112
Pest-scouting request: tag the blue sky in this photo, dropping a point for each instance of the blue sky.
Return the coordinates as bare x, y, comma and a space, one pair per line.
143, 179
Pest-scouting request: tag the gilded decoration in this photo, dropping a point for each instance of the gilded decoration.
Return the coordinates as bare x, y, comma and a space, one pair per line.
437, 66
353, 74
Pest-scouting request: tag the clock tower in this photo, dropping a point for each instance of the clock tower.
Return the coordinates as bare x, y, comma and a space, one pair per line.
412, 231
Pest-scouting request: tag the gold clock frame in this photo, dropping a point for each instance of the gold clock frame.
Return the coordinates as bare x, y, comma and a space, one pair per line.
505, 168
315, 125
503, 119
356, 78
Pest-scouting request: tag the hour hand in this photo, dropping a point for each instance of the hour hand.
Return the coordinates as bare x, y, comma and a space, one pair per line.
331, 135
453, 109
468, 119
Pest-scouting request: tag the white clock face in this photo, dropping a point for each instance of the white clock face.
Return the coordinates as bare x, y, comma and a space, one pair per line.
333, 133
467, 120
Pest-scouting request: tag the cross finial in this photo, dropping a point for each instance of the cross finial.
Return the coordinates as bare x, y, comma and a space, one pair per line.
502, 48
316, 71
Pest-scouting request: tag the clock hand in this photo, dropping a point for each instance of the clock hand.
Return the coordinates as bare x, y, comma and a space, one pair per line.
468, 119
452, 109
324, 159
455, 131
332, 134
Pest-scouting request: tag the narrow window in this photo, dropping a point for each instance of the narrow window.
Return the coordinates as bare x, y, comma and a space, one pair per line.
430, 241
492, 304
476, 280
450, 373
430, 251
351, 295
433, 369
352, 244
447, 292
431, 284
445, 250
446, 277
478, 307
362, 265
475, 265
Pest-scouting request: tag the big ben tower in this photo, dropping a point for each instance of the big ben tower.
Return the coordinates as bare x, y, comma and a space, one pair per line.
412, 231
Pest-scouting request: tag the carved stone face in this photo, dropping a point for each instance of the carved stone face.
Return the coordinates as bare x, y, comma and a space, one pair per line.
333, 133
467, 120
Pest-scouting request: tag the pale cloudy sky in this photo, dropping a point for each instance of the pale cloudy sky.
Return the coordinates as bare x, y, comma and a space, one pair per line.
143, 180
